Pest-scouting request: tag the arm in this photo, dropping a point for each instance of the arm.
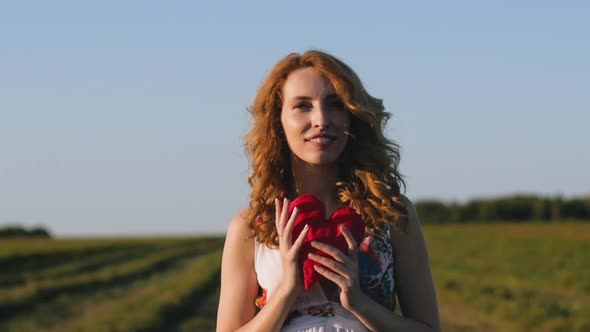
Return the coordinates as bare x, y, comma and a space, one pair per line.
239, 285
414, 283
413, 279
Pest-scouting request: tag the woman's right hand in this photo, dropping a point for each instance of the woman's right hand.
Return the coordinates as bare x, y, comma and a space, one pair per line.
292, 283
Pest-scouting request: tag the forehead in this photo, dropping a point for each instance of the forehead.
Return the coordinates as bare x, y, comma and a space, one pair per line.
307, 82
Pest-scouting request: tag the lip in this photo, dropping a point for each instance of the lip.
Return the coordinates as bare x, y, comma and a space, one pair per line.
320, 135
321, 146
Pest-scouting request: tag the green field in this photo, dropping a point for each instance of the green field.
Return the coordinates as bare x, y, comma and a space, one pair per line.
512, 277
494, 277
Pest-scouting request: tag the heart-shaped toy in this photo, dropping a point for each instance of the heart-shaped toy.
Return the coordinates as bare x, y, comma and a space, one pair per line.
312, 212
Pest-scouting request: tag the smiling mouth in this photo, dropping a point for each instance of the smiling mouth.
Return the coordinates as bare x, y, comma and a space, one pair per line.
321, 140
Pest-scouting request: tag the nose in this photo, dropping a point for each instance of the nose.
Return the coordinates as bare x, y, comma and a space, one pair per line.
319, 117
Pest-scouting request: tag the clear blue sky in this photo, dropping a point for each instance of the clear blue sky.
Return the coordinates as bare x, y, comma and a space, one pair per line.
127, 117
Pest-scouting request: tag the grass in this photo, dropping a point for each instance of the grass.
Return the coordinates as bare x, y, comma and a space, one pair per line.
532, 276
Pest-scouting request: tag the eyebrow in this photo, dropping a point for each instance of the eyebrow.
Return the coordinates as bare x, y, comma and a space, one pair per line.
330, 96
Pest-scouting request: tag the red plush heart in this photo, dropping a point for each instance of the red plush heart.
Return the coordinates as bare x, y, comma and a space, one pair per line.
312, 212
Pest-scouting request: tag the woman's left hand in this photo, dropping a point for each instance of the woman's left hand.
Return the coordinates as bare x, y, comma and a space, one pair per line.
342, 269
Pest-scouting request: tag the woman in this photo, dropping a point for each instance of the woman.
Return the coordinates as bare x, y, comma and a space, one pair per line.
317, 131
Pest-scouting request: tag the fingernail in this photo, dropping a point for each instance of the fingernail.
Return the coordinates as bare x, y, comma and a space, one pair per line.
295, 210
313, 243
305, 227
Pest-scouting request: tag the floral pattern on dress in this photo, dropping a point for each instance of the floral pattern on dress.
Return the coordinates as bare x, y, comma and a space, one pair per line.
261, 299
323, 310
318, 310
376, 267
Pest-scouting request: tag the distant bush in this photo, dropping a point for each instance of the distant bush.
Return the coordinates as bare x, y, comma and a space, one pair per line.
9, 231
515, 208
433, 212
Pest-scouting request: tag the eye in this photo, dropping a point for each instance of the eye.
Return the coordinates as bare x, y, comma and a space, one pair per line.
336, 103
302, 106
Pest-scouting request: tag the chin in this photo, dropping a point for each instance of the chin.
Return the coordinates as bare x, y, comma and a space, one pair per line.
324, 161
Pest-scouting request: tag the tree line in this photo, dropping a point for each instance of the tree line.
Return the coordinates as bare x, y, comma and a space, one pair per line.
515, 208
9, 231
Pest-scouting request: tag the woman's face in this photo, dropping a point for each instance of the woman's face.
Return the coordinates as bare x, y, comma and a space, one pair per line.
313, 117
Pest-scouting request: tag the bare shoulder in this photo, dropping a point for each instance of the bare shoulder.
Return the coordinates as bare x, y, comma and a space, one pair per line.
406, 201
239, 222
410, 244
413, 227
238, 230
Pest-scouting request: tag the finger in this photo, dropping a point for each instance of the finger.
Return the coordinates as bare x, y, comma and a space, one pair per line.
334, 252
339, 280
284, 213
288, 231
297, 244
330, 263
350, 240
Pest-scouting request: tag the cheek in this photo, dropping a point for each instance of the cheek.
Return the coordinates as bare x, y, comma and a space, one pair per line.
285, 124
287, 127
291, 130
292, 124
344, 122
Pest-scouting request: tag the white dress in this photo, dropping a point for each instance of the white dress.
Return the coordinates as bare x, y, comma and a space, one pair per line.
312, 311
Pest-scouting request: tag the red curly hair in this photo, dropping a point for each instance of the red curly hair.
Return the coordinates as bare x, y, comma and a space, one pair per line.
369, 180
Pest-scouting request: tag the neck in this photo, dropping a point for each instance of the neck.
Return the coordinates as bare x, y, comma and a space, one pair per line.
319, 180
